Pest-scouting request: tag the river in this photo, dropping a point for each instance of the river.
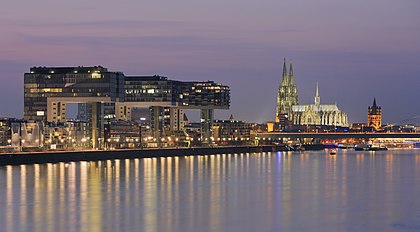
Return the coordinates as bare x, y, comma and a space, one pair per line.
283, 191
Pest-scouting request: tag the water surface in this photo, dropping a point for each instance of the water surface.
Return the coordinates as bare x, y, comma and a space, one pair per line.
309, 191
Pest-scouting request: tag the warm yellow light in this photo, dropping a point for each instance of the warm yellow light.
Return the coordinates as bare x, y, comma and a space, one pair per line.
96, 75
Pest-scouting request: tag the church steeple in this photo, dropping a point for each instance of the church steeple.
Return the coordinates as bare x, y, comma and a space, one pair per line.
284, 78
374, 103
317, 97
231, 118
291, 72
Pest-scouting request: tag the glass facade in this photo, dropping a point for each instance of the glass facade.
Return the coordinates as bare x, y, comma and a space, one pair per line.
77, 84
149, 89
177, 93
204, 95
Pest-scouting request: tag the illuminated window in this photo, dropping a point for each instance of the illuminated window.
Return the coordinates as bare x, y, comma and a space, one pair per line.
96, 75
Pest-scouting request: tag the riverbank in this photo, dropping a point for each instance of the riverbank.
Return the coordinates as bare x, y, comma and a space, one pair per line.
56, 157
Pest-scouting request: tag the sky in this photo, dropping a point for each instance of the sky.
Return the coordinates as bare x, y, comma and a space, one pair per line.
356, 50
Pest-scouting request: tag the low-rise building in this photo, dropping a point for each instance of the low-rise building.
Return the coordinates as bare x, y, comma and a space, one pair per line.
232, 132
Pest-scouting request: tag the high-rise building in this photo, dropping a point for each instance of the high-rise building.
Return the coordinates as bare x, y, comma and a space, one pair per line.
49, 89
287, 96
106, 96
375, 116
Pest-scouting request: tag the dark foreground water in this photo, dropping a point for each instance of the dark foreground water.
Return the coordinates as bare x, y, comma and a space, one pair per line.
310, 191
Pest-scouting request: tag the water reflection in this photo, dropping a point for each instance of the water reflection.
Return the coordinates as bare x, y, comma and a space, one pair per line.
307, 191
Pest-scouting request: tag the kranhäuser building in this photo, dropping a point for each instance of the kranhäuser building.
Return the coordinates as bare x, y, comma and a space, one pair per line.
112, 95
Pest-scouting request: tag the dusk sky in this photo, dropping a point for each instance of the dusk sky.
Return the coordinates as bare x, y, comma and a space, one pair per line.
356, 50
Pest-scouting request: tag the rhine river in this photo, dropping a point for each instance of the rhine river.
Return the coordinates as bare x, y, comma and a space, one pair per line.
307, 191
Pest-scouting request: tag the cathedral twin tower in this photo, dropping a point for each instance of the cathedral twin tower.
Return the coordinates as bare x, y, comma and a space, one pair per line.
289, 112
287, 95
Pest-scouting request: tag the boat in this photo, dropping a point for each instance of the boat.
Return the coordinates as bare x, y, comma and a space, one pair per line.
369, 147
333, 152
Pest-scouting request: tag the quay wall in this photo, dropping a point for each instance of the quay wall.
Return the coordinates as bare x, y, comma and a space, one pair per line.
56, 157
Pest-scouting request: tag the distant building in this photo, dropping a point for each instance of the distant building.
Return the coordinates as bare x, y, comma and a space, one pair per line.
49, 89
289, 112
318, 114
231, 131
287, 96
106, 96
6, 131
375, 115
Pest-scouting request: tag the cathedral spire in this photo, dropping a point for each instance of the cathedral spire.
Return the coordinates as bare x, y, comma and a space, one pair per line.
284, 78
291, 71
317, 98
374, 103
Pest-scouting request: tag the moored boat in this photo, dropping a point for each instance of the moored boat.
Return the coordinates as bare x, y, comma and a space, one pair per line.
369, 147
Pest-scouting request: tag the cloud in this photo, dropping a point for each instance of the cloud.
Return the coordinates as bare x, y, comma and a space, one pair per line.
95, 24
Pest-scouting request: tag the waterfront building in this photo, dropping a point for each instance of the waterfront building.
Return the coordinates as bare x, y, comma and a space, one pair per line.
318, 114
49, 89
109, 95
168, 98
27, 134
70, 135
232, 132
287, 96
375, 115
123, 134
6, 131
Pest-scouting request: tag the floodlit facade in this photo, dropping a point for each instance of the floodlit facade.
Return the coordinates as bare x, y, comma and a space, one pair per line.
375, 116
287, 96
289, 112
318, 114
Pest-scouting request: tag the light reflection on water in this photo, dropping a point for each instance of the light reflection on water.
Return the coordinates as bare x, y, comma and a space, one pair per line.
309, 191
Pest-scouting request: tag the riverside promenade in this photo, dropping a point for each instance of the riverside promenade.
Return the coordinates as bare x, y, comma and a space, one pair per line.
75, 156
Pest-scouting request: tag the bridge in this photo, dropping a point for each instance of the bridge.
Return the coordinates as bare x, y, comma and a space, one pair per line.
337, 135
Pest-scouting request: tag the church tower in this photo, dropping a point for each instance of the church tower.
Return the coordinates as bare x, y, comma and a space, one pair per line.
287, 96
317, 97
375, 116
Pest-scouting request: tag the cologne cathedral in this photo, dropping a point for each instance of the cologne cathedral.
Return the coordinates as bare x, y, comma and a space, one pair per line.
289, 112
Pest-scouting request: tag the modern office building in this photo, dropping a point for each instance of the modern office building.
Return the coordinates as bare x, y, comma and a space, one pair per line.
49, 89
109, 95
168, 98
375, 116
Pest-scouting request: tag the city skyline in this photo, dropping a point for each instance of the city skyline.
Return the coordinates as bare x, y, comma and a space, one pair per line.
354, 59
